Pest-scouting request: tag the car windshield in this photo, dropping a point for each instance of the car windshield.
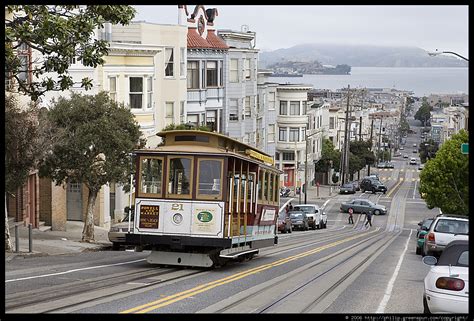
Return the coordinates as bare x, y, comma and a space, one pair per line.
377, 182
296, 215
306, 209
371, 203
427, 223
452, 227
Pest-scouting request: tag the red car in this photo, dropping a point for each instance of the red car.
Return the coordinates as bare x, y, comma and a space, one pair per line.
284, 223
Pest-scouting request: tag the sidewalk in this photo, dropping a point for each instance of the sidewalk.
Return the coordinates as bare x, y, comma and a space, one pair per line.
57, 242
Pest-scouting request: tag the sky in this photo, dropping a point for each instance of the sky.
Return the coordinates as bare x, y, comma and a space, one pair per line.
429, 27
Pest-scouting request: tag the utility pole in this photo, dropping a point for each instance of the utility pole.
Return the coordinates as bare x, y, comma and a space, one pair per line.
346, 145
380, 139
371, 135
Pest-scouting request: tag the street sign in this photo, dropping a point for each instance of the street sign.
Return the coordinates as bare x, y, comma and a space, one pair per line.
465, 148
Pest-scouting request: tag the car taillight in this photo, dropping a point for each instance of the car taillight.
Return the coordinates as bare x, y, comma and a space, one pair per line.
450, 284
430, 237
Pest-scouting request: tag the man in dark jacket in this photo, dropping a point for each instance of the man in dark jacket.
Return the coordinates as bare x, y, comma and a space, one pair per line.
369, 219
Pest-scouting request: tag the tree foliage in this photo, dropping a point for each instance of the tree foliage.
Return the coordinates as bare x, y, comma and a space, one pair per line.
428, 150
58, 33
423, 113
97, 137
328, 155
21, 138
444, 181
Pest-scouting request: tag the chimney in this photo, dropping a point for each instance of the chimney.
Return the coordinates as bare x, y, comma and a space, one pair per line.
182, 15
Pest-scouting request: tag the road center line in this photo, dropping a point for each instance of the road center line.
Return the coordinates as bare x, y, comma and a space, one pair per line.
414, 191
388, 291
71, 271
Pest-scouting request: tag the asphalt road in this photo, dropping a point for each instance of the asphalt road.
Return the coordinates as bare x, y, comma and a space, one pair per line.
342, 269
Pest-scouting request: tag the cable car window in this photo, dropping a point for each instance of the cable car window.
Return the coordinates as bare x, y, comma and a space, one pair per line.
189, 138
260, 185
265, 187
151, 174
179, 176
270, 194
210, 177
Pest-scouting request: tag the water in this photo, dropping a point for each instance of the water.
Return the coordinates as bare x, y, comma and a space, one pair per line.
422, 81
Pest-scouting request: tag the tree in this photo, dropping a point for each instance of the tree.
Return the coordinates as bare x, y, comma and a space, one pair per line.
444, 181
97, 137
423, 113
21, 150
328, 155
59, 33
428, 150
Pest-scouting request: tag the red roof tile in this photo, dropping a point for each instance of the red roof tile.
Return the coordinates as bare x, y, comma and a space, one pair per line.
212, 41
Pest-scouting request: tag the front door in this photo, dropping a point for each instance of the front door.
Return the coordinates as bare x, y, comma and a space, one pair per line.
74, 202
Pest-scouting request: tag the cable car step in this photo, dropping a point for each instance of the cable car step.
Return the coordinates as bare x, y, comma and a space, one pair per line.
234, 253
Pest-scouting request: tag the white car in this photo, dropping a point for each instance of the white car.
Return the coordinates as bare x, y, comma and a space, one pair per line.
444, 229
446, 286
317, 217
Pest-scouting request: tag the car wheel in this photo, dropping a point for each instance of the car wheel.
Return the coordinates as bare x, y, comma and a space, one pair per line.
377, 212
115, 246
426, 308
418, 250
374, 191
362, 190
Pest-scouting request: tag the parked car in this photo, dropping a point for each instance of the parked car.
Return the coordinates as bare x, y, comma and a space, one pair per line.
299, 220
421, 166
415, 151
389, 165
356, 185
363, 206
118, 231
413, 161
422, 230
444, 229
381, 165
405, 155
414, 145
284, 222
446, 286
373, 185
347, 188
401, 148
397, 154
317, 218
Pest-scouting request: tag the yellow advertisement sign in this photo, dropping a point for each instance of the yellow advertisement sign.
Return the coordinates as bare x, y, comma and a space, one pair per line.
259, 156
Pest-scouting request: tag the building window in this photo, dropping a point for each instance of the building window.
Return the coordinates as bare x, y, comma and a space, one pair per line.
211, 119
234, 70
221, 73
169, 62
182, 113
169, 109
294, 134
193, 120
271, 133
283, 107
193, 74
211, 72
331, 122
247, 108
233, 110
149, 92
288, 156
277, 156
282, 134
113, 88
136, 92
247, 68
294, 108
271, 101
182, 62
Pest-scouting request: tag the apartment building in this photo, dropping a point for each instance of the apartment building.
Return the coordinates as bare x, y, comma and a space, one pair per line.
206, 55
241, 97
266, 113
292, 123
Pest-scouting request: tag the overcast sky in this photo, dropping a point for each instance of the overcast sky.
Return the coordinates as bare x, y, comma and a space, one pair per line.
428, 27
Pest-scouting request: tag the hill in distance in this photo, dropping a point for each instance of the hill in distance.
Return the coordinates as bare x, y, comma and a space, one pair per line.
360, 56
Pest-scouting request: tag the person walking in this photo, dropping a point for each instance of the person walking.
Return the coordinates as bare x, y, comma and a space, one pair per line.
351, 219
369, 219
291, 207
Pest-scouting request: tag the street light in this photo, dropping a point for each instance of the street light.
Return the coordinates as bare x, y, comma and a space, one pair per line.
437, 53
